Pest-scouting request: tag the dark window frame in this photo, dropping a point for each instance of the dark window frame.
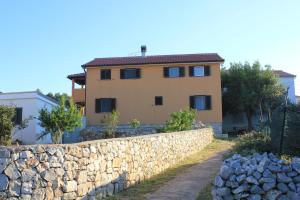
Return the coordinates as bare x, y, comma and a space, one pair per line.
181, 72
207, 71
158, 100
103, 74
208, 102
137, 73
100, 109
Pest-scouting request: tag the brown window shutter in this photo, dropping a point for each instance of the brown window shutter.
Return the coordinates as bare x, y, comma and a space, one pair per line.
191, 71
122, 73
138, 73
192, 102
181, 71
208, 102
166, 71
207, 70
98, 105
114, 104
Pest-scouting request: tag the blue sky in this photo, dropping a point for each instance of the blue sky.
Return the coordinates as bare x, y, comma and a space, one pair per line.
41, 42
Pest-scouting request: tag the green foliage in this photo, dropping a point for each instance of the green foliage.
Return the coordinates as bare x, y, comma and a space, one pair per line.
110, 123
59, 120
58, 96
250, 88
181, 120
253, 142
7, 126
291, 139
135, 124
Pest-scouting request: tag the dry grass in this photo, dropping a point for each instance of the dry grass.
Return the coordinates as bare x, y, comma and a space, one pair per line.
152, 184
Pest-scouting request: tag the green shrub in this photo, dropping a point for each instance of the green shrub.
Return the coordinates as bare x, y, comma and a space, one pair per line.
110, 123
253, 142
7, 125
135, 124
181, 120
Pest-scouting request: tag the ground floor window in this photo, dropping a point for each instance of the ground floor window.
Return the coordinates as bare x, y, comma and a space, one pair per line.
200, 102
105, 105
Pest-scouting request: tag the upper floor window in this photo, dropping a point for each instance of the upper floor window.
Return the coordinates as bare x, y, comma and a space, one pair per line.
199, 71
130, 73
105, 105
105, 74
200, 102
158, 100
173, 72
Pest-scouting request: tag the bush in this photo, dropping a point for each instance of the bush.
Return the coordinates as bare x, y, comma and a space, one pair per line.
253, 142
6, 125
110, 123
135, 124
181, 121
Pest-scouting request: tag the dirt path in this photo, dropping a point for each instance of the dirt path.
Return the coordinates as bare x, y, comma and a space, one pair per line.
187, 185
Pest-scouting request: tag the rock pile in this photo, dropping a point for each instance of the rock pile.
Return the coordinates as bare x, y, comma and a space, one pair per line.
260, 176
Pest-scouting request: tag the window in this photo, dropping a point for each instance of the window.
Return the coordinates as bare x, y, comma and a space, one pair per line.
173, 72
105, 105
200, 102
130, 73
199, 71
105, 74
18, 116
158, 100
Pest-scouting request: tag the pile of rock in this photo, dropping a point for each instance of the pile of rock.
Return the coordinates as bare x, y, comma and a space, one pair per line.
260, 176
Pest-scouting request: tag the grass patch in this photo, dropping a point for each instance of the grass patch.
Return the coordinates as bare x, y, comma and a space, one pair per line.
205, 194
154, 183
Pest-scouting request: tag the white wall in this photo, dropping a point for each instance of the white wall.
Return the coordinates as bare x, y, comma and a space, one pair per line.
289, 82
31, 103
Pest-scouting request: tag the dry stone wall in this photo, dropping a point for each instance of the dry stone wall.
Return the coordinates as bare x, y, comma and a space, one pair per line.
94, 169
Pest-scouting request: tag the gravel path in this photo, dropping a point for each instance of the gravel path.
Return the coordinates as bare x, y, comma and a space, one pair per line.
187, 185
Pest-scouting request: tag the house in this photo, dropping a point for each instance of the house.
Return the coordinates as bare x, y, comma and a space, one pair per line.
288, 81
298, 99
150, 88
27, 106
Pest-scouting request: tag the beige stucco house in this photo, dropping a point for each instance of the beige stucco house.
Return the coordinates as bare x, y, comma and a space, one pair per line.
150, 88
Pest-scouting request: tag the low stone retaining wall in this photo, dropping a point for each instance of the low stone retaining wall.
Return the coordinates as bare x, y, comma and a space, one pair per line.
92, 169
261, 176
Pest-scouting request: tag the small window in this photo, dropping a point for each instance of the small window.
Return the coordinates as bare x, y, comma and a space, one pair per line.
105, 74
158, 100
105, 105
130, 73
18, 116
200, 102
173, 72
199, 71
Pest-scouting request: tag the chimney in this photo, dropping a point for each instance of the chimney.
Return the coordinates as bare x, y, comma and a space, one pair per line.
143, 50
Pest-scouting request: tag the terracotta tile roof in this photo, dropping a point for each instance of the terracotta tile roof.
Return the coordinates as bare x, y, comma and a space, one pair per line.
79, 75
157, 59
281, 73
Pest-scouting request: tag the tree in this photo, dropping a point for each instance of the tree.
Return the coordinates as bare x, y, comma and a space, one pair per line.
7, 124
250, 88
57, 96
59, 120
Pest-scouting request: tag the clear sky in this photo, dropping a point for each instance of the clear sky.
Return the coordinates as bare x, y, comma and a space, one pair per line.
41, 42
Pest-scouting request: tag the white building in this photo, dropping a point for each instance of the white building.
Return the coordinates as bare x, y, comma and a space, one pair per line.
27, 106
288, 81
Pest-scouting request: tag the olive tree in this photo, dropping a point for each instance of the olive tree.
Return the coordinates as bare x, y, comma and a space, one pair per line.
59, 120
